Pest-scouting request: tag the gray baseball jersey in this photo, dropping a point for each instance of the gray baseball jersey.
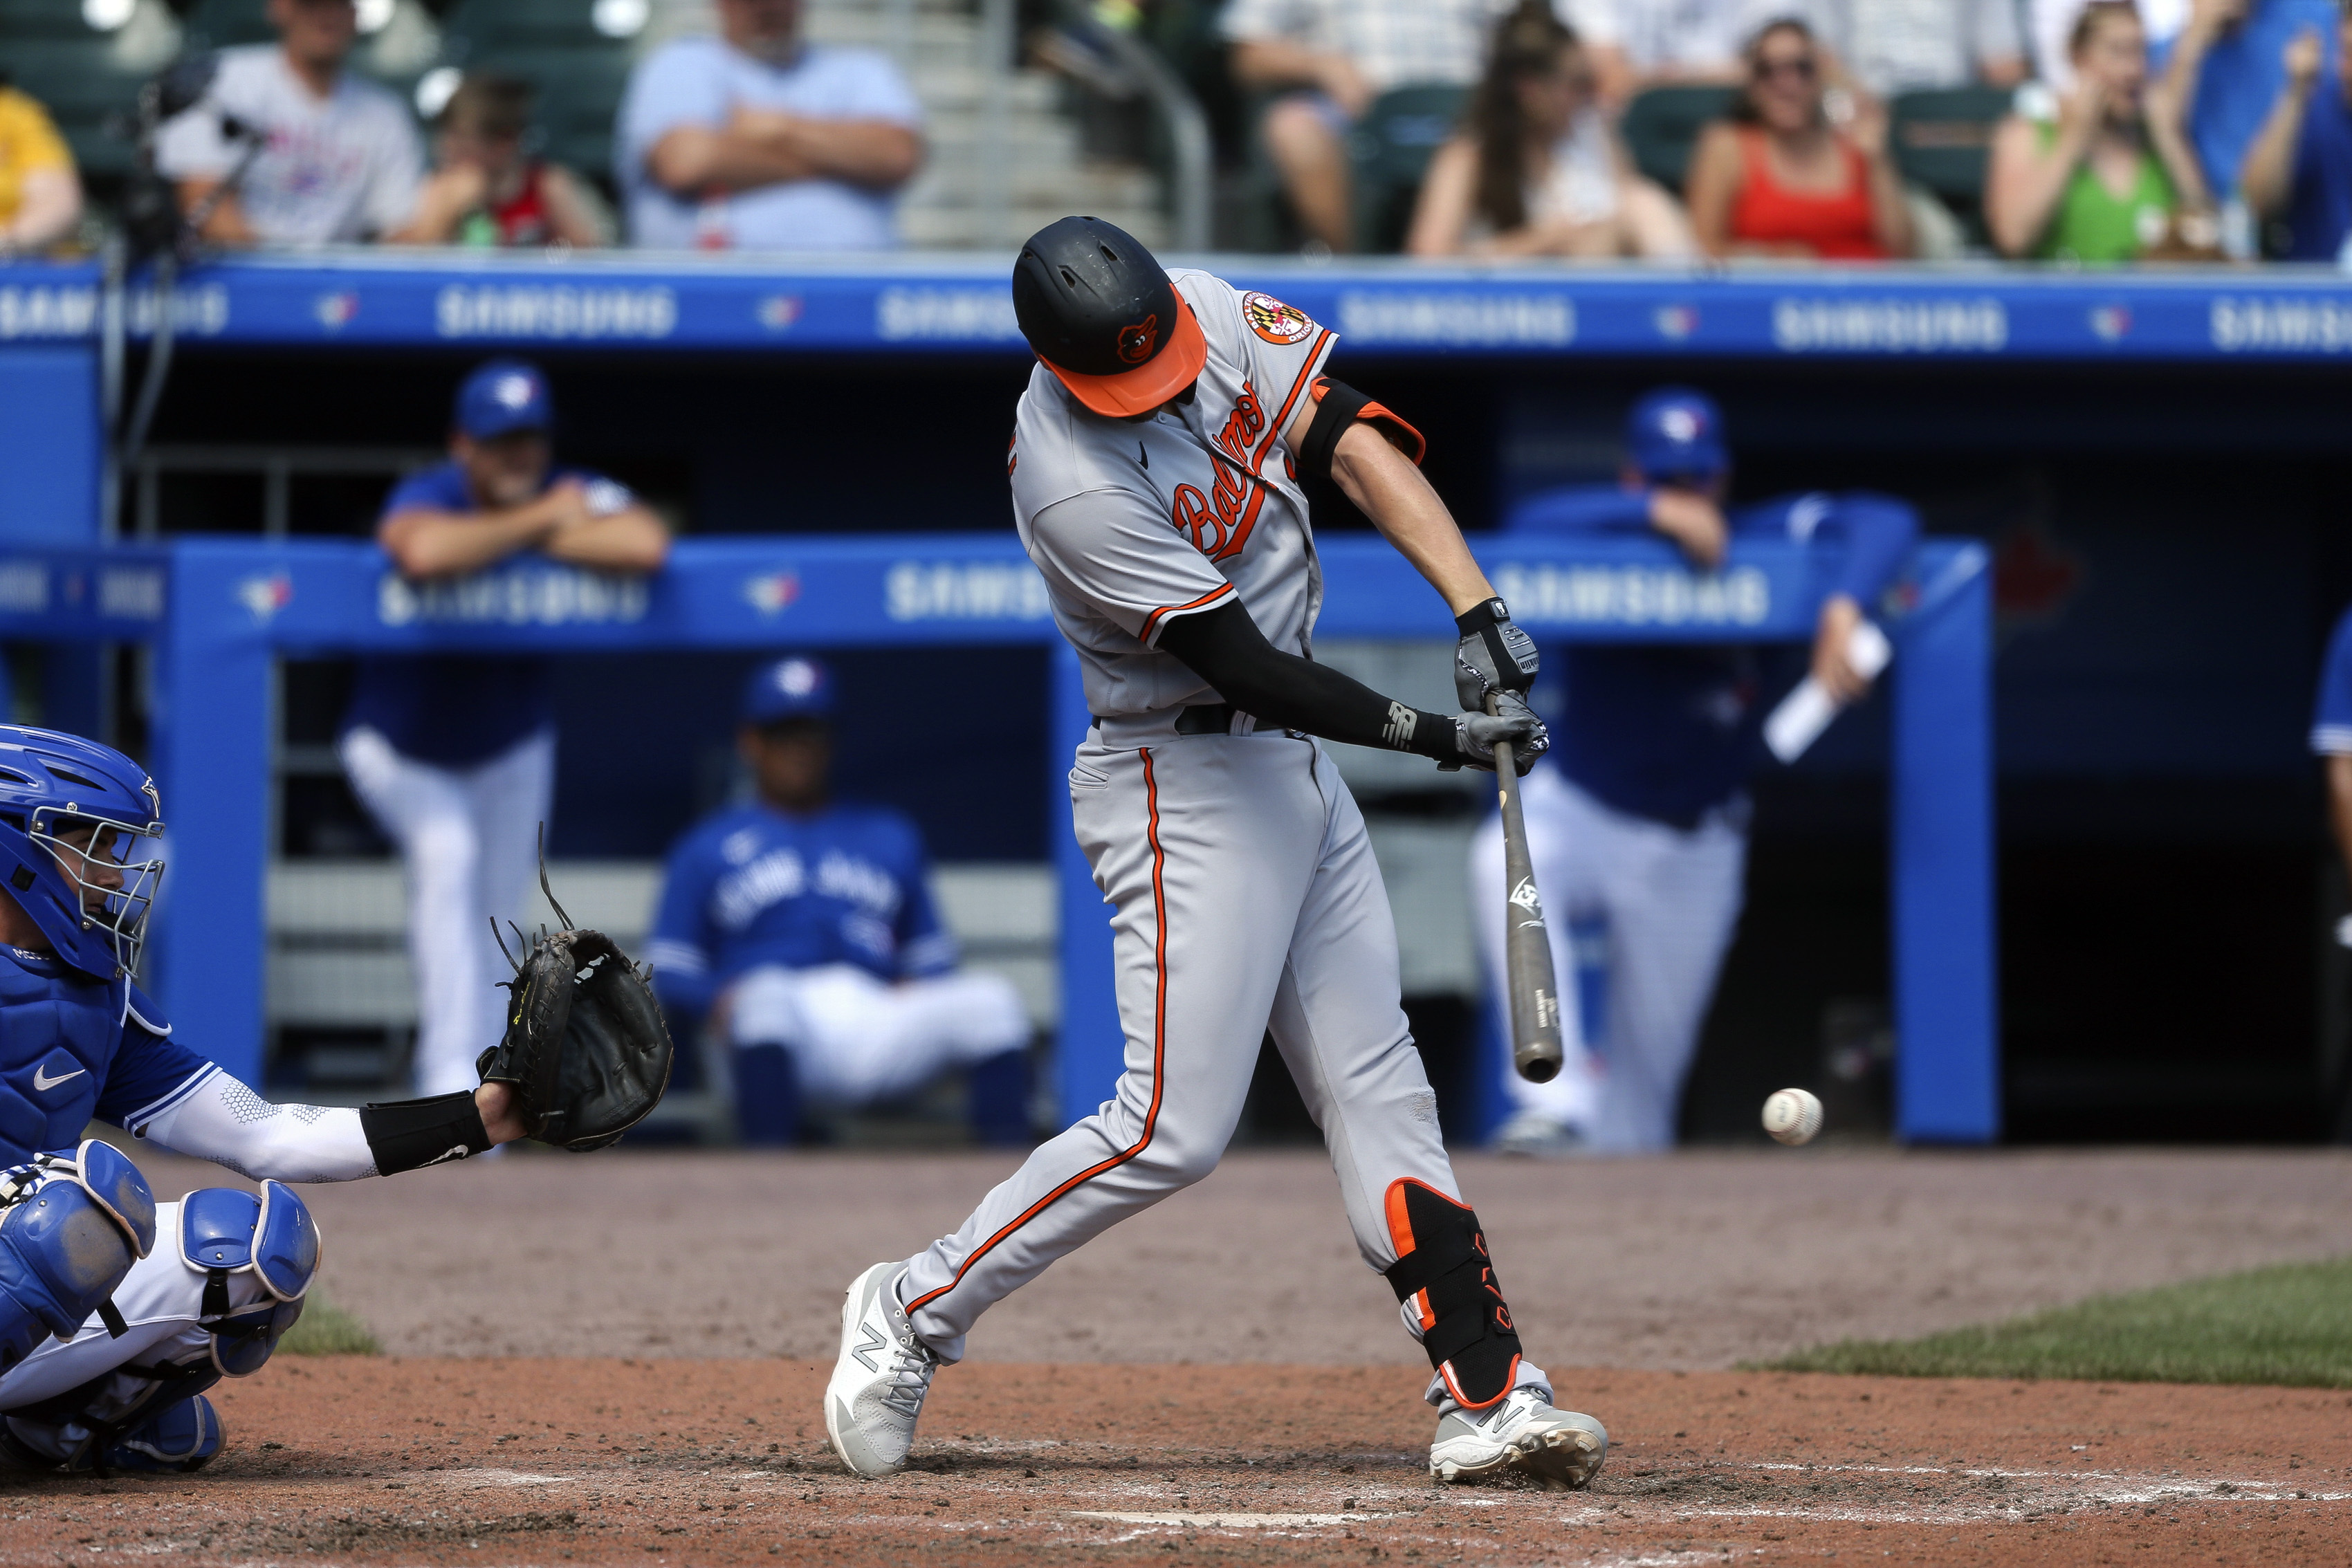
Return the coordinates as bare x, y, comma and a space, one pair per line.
1135, 522
1243, 893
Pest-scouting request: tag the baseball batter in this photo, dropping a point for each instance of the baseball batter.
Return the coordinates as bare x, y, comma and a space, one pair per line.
1155, 465
198, 1288
1640, 821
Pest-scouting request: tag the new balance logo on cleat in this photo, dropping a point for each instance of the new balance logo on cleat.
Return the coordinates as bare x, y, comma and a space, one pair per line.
872, 1341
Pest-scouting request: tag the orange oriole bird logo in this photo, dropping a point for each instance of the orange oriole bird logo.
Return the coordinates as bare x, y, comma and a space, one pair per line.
1138, 339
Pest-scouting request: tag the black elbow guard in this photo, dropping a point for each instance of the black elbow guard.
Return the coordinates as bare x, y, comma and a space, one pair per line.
408, 1135
1339, 405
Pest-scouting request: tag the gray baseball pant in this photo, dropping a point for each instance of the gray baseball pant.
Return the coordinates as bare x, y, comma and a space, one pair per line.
1243, 896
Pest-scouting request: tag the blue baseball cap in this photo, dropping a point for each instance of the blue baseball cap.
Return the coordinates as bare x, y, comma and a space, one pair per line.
502, 397
797, 687
1676, 433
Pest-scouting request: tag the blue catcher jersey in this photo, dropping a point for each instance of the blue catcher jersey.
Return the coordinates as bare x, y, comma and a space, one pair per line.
1670, 733
752, 886
71, 1052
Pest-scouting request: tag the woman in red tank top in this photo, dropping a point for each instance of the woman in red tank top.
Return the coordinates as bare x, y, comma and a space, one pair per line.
1780, 180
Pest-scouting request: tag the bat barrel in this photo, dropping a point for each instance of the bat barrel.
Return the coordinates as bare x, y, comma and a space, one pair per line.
1536, 1047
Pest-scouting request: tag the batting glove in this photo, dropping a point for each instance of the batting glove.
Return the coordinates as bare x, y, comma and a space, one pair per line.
1492, 656
1513, 721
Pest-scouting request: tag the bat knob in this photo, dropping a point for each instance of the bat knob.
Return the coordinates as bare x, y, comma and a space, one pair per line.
1540, 1064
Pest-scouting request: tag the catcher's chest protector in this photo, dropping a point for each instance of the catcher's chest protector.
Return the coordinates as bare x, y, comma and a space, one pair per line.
1443, 1275
58, 1031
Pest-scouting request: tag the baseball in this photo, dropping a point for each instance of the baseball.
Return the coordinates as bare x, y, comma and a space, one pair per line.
1792, 1116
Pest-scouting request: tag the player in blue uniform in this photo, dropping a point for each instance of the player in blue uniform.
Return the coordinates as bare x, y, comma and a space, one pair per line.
219, 1275
1639, 818
801, 931
454, 753
2331, 740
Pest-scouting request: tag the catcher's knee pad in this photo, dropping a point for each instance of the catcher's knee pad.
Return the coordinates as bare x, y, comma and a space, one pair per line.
1446, 1284
178, 1439
70, 1227
224, 1233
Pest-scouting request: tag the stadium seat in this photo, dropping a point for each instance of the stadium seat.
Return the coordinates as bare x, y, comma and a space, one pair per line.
85, 77
1662, 127
574, 52
1391, 149
226, 24
1942, 141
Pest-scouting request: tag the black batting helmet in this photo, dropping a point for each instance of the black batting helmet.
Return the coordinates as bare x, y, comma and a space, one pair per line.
1098, 308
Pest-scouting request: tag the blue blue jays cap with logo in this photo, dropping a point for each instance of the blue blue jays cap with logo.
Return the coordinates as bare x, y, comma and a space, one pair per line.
797, 687
1676, 433
502, 397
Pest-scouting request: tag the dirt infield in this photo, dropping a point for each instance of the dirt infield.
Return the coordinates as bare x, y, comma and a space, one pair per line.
670, 1461
1698, 1261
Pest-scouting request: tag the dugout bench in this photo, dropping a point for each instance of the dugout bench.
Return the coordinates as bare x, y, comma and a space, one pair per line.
219, 610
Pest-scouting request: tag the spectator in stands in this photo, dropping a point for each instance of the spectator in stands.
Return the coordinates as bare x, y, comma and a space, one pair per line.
1892, 46
335, 159
800, 932
2108, 181
2051, 23
488, 191
2298, 173
455, 754
759, 140
1537, 170
1663, 42
2225, 72
1780, 180
1322, 63
40, 194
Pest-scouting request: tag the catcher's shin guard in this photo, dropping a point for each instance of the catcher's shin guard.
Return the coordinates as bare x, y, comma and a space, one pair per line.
1447, 1284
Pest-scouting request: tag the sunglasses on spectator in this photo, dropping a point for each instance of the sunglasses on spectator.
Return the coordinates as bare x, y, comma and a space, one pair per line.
1798, 65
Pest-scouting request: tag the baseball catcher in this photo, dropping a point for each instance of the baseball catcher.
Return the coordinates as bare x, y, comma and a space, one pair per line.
118, 1313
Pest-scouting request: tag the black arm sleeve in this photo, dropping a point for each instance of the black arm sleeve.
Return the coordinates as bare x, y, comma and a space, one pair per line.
405, 1135
1224, 648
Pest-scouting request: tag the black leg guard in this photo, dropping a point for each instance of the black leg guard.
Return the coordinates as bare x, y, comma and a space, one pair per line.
1442, 1269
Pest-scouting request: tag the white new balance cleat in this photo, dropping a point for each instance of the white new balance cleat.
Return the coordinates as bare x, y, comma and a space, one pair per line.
1521, 1432
878, 1382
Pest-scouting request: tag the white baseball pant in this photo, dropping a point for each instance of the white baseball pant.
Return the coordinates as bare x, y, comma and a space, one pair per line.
161, 1299
1244, 896
469, 840
855, 1040
1670, 900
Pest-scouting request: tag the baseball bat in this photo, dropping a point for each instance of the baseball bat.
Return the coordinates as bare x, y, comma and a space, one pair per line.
1526, 944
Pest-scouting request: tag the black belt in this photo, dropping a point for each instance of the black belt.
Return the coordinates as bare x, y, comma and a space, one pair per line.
1211, 718
1208, 719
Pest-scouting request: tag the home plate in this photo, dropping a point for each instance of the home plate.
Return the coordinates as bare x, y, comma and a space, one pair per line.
1234, 1521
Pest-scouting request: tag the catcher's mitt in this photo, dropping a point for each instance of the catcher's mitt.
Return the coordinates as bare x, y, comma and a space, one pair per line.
585, 1046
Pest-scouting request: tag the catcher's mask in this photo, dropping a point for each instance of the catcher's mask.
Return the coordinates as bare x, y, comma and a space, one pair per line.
73, 818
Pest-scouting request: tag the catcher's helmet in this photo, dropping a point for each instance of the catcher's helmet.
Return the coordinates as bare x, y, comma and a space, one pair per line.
1100, 310
72, 813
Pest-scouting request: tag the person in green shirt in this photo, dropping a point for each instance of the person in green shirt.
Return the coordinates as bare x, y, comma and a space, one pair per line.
2111, 179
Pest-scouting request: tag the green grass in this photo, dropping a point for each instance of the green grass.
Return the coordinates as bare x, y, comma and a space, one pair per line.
2288, 1325
325, 1329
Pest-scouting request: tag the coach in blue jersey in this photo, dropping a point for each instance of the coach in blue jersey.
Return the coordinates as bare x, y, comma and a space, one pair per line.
455, 754
1639, 819
200, 1288
801, 931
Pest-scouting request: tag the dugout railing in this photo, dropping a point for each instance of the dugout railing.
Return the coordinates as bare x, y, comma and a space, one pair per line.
218, 612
